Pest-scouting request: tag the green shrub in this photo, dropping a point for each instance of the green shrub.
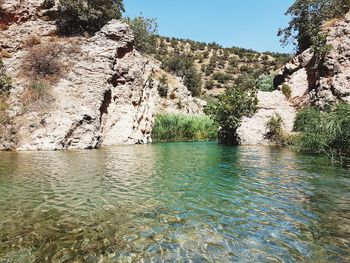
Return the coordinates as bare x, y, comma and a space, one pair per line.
275, 132
163, 87
39, 90
145, 30
221, 77
265, 83
78, 16
178, 64
193, 81
307, 18
325, 131
209, 85
307, 117
228, 110
176, 127
287, 92
5, 81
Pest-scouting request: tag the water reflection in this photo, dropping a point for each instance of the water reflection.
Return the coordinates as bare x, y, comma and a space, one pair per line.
169, 202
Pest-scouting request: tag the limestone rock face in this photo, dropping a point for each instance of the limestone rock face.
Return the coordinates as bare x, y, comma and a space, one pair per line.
310, 79
105, 96
320, 81
253, 129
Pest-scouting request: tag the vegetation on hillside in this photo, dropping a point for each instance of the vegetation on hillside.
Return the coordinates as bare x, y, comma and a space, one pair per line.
145, 33
177, 127
307, 18
5, 85
325, 132
214, 66
204, 66
229, 108
78, 16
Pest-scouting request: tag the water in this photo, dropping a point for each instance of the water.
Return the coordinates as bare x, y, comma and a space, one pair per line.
173, 202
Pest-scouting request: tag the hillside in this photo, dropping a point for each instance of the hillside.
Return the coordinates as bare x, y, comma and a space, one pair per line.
218, 67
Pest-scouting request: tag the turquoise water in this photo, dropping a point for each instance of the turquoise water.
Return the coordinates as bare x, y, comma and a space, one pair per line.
173, 202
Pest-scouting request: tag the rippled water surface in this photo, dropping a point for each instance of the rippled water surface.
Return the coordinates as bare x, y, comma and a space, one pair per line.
173, 202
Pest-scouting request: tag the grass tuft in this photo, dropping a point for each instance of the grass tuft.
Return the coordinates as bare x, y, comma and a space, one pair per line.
177, 127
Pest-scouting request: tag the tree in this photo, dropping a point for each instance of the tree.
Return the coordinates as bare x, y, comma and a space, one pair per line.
193, 81
145, 30
307, 17
163, 87
77, 16
229, 109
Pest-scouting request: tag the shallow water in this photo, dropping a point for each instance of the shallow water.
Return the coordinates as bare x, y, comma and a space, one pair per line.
183, 202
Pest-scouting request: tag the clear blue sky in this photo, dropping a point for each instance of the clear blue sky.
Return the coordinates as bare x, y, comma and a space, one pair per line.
243, 23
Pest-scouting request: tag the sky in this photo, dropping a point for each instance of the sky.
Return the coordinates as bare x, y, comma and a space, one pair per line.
242, 23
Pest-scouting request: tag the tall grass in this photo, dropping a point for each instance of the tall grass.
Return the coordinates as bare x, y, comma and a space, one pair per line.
325, 131
177, 127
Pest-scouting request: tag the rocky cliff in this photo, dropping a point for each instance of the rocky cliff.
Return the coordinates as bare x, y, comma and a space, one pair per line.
105, 94
317, 80
311, 80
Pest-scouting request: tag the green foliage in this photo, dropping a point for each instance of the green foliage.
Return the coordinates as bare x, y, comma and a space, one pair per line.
307, 117
5, 81
163, 87
221, 77
276, 133
286, 90
38, 90
177, 64
145, 30
176, 127
307, 17
325, 131
193, 81
265, 83
78, 16
209, 85
229, 108
183, 66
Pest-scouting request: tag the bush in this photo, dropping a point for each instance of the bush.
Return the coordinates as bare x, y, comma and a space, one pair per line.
5, 81
307, 117
209, 85
287, 92
178, 64
221, 77
176, 127
163, 87
276, 133
229, 109
193, 81
36, 96
325, 132
145, 30
44, 60
39, 90
78, 16
265, 83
